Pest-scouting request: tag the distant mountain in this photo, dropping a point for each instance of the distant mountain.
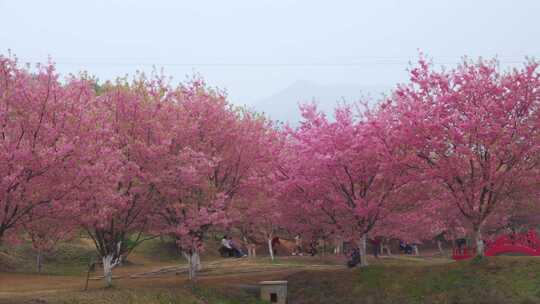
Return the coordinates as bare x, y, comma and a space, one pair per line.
283, 105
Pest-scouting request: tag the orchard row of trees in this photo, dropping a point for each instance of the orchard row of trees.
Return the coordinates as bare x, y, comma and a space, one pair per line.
125, 162
452, 152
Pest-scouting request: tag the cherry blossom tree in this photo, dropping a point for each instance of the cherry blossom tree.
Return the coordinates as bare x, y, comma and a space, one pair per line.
475, 131
41, 140
226, 150
343, 170
123, 161
259, 211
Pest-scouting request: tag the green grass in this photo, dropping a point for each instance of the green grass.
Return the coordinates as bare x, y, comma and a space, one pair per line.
225, 296
159, 249
66, 259
493, 280
111, 296
186, 294
72, 258
402, 279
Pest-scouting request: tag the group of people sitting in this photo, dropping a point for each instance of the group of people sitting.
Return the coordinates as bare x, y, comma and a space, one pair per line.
230, 249
407, 248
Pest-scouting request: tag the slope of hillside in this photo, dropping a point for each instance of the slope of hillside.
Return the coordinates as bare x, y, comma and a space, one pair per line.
494, 280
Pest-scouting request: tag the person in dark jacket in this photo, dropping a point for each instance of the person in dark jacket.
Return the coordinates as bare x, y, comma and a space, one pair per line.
354, 258
275, 242
226, 249
461, 243
237, 251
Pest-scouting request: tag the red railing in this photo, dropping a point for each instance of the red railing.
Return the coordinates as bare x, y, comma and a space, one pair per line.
463, 253
525, 243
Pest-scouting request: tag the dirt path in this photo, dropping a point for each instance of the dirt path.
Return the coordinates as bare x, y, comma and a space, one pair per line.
231, 271
147, 275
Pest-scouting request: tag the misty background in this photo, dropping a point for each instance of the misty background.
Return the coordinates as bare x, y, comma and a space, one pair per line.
270, 55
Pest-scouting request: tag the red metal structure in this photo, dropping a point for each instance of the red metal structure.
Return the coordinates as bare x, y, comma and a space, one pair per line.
463, 254
524, 243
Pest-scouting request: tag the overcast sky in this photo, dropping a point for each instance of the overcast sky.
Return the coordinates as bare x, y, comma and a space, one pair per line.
254, 48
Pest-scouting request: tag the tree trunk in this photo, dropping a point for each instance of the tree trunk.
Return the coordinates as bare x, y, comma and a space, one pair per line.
478, 241
339, 246
251, 251
416, 250
363, 251
388, 250
109, 262
39, 261
192, 268
440, 246
271, 249
107, 269
198, 264
1, 235
191, 258
250, 247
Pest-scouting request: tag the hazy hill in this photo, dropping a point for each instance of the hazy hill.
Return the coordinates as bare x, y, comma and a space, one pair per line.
283, 105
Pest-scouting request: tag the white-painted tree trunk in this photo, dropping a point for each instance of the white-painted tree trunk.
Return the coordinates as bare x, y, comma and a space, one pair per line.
479, 242
194, 264
198, 264
440, 246
338, 249
108, 266
416, 250
270, 249
363, 251
388, 251
109, 262
189, 259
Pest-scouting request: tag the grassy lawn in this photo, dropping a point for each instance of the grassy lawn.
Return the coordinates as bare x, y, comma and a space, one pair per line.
183, 295
399, 279
493, 280
67, 259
